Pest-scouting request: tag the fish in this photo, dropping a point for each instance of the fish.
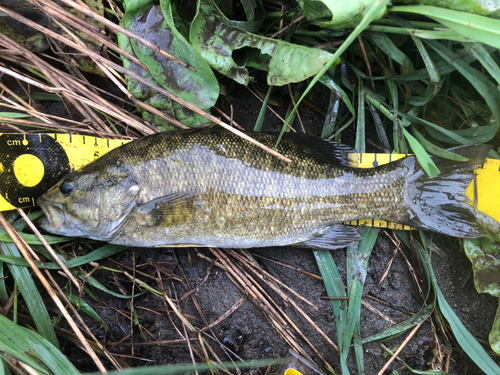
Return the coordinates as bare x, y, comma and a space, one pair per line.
211, 188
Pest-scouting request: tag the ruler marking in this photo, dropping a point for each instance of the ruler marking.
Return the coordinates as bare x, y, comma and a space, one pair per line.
83, 139
70, 138
96, 144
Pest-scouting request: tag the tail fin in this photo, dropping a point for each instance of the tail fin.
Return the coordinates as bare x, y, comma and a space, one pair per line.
441, 204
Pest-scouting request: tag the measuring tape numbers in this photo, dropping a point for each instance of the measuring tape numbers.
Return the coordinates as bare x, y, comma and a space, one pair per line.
32, 163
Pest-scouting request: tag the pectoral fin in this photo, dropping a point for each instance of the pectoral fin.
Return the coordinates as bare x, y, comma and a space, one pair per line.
336, 237
173, 209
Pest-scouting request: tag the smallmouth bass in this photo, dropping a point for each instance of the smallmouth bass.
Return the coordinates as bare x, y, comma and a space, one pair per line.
209, 187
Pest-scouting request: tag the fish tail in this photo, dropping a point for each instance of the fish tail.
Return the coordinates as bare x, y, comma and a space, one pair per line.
441, 204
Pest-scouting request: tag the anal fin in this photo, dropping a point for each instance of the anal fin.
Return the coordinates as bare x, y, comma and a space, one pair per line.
337, 236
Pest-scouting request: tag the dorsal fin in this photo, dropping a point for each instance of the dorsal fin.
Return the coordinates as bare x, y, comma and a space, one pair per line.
324, 149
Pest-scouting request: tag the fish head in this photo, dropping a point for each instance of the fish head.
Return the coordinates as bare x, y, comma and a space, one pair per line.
91, 204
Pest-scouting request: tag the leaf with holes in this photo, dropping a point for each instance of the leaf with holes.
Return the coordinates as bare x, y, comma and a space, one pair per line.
230, 50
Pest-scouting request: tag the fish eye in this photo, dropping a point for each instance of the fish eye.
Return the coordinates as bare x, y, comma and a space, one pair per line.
66, 188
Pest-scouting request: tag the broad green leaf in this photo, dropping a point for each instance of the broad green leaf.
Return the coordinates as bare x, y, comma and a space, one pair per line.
155, 24
29, 347
338, 15
484, 7
31, 296
152, 97
489, 224
483, 253
213, 36
494, 337
475, 27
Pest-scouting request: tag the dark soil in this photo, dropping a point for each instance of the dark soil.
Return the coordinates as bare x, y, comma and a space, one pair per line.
247, 333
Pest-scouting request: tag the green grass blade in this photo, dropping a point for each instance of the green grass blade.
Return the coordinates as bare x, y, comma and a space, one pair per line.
189, 368
482, 84
482, 134
358, 255
367, 19
479, 28
464, 338
485, 58
32, 239
424, 34
263, 110
81, 305
334, 288
331, 116
330, 83
360, 127
96, 284
442, 67
98, 254
31, 296
435, 150
422, 156
333, 282
21, 262
382, 136
386, 45
29, 347
424, 313
4, 295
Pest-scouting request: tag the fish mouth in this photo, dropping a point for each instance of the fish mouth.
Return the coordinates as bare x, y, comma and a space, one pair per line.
54, 216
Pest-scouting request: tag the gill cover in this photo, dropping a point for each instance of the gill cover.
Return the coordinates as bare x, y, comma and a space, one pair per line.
117, 202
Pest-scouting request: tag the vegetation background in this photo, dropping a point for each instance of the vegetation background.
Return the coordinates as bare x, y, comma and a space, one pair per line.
401, 77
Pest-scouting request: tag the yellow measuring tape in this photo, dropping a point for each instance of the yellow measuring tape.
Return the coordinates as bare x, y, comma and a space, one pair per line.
32, 163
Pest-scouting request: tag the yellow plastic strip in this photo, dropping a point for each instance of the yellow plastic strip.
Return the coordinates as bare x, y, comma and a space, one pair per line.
31, 163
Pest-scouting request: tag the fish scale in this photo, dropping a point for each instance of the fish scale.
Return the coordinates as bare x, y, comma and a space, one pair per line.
209, 187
